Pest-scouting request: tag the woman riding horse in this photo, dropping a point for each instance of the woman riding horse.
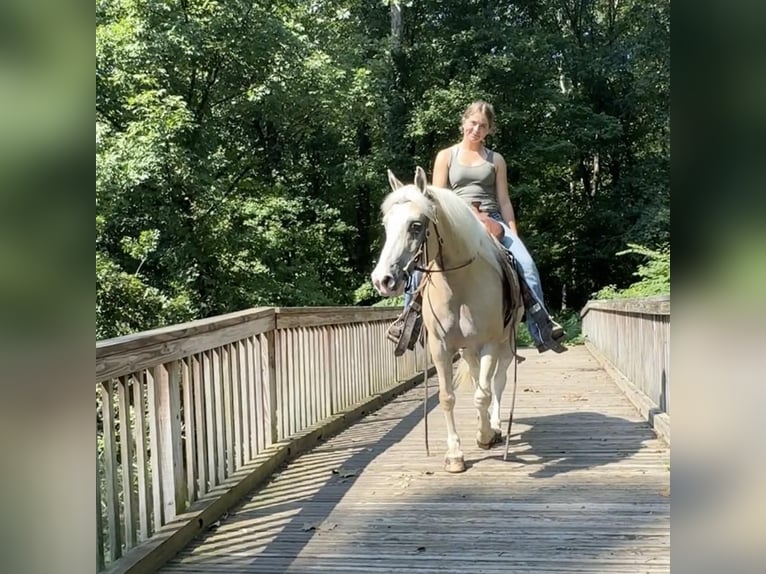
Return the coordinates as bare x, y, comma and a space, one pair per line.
465, 268
478, 175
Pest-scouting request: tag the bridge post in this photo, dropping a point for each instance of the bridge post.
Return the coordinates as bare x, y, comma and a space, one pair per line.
329, 340
169, 468
270, 387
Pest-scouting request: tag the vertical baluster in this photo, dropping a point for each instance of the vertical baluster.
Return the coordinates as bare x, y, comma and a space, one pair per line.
210, 383
346, 361
220, 431
189, 428
270, 388
100, 560
319, 373
291, 386
258, 417
372, 360
367, 358
360, 363
313, 395
245, 390
154, 456
200, 440
169, 458
142, 458
348, 364
228, 414
315, 370
306, 377
126, 454
331, 376
282, 402
238, 374
340, 371
114, 531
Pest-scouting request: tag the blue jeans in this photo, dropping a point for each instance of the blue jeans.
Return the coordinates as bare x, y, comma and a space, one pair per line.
525, 267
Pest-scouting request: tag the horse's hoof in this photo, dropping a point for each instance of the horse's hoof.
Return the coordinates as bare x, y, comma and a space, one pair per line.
497, 438
454, 464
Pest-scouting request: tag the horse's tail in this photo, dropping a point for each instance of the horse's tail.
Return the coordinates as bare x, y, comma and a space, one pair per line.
462, 374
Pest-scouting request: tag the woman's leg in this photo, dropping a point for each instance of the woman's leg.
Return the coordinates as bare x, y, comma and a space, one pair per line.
412, 285
539, 320
537, 314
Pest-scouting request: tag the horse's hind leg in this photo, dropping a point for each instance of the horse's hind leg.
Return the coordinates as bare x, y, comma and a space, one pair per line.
453, 460
482, 396
498, 386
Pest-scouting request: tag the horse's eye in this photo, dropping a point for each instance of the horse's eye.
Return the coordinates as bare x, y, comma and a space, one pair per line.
416, 227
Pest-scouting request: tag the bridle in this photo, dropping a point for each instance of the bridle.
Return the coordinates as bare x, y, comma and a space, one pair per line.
421, 254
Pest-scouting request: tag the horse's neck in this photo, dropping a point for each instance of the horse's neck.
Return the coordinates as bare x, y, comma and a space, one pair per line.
453, 251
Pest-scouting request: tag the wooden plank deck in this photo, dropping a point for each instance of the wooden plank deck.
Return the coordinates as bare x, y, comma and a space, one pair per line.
586, 490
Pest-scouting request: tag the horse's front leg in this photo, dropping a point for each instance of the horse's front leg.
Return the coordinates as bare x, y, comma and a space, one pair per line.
453, 460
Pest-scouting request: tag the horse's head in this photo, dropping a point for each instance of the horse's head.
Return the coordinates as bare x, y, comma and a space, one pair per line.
406, 213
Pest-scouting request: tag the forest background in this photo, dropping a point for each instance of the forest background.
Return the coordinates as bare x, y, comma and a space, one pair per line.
242, 146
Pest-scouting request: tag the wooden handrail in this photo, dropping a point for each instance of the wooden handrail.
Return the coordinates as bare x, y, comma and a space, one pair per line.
658, 305
632, 337
182, 409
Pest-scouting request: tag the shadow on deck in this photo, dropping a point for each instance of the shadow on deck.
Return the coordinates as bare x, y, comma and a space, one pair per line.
585, 489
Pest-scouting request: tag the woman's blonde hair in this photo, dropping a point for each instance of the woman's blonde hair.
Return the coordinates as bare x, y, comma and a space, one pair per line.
484, 108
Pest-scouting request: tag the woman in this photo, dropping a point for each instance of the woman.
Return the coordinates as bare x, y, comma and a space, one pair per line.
478, 174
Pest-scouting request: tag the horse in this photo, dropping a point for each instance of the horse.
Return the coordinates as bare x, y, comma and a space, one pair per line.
462, 298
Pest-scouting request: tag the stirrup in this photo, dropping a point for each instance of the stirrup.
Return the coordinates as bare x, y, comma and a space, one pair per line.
405, 329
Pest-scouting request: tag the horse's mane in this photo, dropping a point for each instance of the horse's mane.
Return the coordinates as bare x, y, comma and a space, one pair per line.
446, 206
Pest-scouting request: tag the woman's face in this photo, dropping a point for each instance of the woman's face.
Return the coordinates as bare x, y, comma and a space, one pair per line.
475, 127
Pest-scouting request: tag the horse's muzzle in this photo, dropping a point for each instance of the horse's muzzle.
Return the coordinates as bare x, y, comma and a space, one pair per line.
387, 284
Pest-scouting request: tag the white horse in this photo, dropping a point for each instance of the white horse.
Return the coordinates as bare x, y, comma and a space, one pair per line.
462, 297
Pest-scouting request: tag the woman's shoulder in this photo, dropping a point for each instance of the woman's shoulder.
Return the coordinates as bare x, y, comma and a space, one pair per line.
449, 150
494, 157
444, 155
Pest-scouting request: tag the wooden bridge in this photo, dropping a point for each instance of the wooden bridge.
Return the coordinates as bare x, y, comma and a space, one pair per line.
291, 440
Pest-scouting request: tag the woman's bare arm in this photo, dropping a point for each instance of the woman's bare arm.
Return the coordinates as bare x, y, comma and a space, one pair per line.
503, 198
441, 169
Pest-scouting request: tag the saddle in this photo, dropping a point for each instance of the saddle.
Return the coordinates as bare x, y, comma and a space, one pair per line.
512, 287
517, 292
511, 284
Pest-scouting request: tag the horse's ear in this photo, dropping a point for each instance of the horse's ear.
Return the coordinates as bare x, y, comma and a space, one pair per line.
395, 183
421, 181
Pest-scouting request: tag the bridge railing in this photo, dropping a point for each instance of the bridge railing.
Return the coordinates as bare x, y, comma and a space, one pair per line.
181, 409
634, 336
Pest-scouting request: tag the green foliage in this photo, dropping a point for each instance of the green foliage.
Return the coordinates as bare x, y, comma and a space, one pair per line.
242, 148
569, 320
523, 338
572, 324
141, 248
654, 275
125, 303
397, 301
365, 294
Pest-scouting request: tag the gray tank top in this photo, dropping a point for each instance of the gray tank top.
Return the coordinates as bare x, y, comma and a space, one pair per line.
474, 182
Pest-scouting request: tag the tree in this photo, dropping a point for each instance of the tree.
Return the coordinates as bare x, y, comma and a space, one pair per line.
250, 141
